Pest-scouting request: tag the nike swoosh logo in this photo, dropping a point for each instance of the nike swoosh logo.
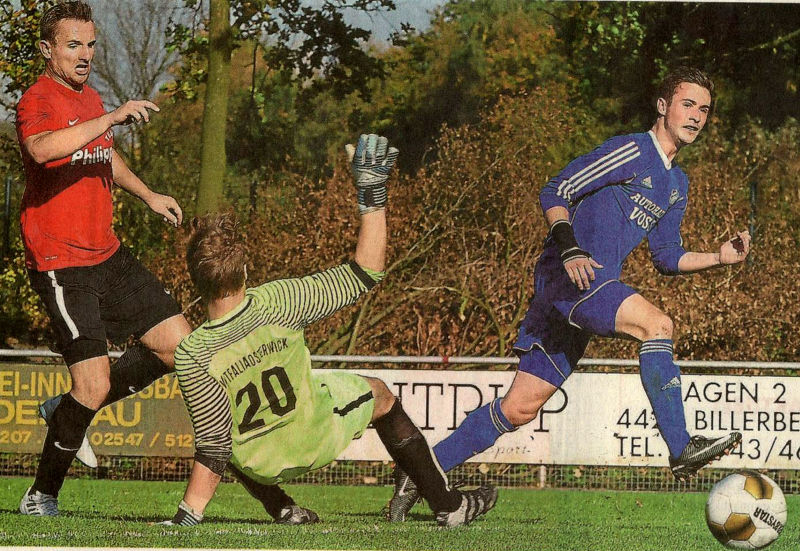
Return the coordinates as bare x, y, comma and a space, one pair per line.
73, 123
133, 389
58, 445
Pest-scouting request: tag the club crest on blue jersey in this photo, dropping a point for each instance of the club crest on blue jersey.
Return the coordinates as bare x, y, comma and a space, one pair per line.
674, 197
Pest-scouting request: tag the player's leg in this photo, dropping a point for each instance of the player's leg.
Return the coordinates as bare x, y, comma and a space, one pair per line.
639, 319
277, 503
549, 349
146, 311
133, 371
482, 427
135, 303
69, 422
410, 450
70, 297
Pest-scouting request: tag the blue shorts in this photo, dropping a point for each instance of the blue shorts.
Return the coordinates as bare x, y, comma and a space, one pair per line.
561, 319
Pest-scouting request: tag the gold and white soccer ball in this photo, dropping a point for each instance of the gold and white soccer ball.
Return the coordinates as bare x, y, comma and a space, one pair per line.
746, 510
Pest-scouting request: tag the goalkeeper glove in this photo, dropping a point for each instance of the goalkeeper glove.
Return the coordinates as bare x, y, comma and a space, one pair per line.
372, 160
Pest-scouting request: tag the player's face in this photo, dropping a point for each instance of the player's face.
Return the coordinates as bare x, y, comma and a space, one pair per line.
687, 113
69, 56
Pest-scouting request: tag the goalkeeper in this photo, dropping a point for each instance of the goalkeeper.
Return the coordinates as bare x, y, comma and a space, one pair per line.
245, 374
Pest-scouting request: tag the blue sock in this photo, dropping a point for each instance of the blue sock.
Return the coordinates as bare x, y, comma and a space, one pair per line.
477, 432
661, 379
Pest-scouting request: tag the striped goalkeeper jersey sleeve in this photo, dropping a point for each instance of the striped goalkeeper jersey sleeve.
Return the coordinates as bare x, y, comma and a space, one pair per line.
269, 321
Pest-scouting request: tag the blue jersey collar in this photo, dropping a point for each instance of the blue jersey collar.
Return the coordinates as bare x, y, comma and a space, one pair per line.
667, 162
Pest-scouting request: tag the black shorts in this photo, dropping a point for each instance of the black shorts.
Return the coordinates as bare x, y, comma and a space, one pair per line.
90, 305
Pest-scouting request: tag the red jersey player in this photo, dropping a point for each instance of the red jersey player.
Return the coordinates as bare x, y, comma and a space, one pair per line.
93, 288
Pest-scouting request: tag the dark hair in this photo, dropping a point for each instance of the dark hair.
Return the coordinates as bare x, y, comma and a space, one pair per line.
65, 10
677, 76
216, 255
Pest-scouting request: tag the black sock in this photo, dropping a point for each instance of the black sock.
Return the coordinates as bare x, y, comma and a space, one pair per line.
135, 370
64, 436
271, 496
411, 452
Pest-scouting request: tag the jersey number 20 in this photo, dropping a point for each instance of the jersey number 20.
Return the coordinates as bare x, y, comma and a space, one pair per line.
254, 397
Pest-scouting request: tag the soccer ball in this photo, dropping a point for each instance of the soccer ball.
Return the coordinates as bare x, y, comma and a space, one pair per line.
746, 510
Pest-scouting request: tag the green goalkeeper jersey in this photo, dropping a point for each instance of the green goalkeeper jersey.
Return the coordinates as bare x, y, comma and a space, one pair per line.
248, 373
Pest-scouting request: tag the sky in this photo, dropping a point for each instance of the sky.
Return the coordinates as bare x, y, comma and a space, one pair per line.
415, 12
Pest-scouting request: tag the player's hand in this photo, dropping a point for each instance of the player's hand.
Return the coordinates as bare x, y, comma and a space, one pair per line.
580, 270
167, 207
133, 111
735, 250
371, 160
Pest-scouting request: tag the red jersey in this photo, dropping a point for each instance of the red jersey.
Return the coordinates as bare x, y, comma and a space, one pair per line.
67, 207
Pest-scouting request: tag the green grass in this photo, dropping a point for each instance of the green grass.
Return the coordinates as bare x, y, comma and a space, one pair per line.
97, 513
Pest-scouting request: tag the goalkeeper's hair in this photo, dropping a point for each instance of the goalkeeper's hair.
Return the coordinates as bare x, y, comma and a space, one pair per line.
216, 255
61, 11
677, 76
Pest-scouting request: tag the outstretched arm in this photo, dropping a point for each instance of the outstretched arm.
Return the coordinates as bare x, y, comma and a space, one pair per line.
730, 252
52, 145
299, 302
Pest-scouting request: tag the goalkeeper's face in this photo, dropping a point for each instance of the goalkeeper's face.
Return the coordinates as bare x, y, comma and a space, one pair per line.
686, 113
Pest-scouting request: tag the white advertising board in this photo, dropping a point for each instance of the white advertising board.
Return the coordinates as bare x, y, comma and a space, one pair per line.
603, 418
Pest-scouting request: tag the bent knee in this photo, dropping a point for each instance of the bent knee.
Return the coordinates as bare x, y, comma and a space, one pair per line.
92, 393
519, 414
384, 399
658, 327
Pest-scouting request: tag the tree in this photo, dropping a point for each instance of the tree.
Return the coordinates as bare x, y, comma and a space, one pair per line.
132, 62
20, 62
305, 41
213, 159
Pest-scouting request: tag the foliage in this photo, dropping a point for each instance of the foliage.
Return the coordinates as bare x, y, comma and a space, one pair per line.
305, 41
20, 62
619, 50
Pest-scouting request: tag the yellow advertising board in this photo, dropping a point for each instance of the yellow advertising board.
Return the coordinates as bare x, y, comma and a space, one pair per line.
153, 422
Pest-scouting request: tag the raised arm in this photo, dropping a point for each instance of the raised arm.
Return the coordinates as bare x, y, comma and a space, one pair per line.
299, 302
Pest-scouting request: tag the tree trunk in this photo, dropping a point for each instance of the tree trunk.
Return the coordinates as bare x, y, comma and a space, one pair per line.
215, 112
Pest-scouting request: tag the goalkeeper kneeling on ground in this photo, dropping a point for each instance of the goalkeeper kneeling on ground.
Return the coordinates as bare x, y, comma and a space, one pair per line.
246, 377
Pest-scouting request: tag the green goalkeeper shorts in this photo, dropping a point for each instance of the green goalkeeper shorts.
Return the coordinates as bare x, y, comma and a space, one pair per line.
343, 405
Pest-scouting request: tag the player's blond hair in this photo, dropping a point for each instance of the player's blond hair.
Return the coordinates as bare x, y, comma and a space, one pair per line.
48, 25
216, 255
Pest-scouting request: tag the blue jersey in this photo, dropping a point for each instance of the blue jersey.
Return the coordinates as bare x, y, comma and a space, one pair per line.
618, 194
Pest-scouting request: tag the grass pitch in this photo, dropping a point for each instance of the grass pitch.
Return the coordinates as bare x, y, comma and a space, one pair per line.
98, 513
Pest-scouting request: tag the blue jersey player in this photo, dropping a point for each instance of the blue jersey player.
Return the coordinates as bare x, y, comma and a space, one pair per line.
599, 208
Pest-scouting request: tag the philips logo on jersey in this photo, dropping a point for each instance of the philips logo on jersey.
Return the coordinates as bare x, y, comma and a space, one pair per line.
98, 154
646, 212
